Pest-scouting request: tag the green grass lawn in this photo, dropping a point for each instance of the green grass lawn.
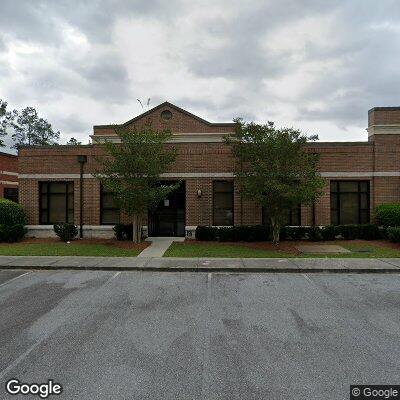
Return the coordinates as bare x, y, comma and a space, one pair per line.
65, 249
214, 249
360, 251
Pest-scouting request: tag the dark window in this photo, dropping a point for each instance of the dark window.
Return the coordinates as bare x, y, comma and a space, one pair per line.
166, 115
349, 202
11, 194
223, 203
56, 202
109, 211
292, 217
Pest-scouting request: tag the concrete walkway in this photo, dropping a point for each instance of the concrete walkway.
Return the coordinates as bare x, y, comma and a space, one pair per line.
159, 245
360, 265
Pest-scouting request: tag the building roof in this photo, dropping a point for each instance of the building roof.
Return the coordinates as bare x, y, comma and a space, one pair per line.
168, 104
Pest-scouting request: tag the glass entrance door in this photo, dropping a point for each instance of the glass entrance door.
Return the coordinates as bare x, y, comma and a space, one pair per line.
168, 219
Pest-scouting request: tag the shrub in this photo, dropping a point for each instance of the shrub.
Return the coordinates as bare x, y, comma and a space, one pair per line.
292, 232
12, 233
256, 233
348, 232
388, 215
65, 232
123, 231
119, 231
369, 232
251, 233
206, 233
226, 234
11, 213
393, 234
314, 233
328, 232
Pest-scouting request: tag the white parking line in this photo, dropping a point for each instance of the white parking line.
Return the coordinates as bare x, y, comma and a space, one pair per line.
309, 280
114, 276
13, 279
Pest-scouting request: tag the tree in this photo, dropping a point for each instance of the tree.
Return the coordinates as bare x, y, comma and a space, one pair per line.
6, 118
274, 169
73, 142
131, 171
30, 129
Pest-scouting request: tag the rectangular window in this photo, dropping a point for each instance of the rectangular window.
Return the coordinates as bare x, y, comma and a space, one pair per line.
292, 217
223, 203
56, 202
109, 211
349, 202
11, 194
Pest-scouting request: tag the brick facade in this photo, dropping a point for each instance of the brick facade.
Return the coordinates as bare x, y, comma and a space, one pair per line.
8, 172
203, 157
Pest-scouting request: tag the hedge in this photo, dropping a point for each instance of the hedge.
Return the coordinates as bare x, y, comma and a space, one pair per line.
388, 215
260, 233
11, 213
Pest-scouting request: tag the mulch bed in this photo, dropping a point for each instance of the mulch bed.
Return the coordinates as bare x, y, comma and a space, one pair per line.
290, 246
126, 244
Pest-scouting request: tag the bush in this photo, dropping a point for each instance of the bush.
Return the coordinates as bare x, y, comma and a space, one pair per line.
12, 233
348, 232
328, 232
11, 213
251, 233
387, 215
123, 231
119, 231
393, 234
369, 232
292, 232
66, 232
314, 233
207, 233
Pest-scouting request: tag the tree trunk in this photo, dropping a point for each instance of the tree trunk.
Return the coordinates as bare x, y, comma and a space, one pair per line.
137, 228
276, 227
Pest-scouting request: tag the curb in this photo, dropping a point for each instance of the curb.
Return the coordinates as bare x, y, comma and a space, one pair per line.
207, 269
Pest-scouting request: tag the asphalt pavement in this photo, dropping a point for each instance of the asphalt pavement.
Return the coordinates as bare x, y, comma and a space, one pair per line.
154, 335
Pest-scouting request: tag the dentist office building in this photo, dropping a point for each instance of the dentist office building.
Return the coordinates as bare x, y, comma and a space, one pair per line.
359, 176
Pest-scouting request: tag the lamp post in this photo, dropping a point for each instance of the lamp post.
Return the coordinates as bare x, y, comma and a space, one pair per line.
82, 159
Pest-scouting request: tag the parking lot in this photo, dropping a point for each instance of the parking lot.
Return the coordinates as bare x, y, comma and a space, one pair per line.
160, 335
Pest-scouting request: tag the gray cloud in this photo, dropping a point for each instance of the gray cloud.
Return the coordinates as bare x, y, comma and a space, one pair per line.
314, 61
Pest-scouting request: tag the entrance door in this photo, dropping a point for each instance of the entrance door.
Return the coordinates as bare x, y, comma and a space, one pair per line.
168, 219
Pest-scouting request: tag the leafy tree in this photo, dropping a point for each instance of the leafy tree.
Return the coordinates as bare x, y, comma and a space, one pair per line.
274, 169
131, 171
30, 129
73, 142
6, 118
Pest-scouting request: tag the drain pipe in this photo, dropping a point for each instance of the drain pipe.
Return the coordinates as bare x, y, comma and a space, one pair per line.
82, 159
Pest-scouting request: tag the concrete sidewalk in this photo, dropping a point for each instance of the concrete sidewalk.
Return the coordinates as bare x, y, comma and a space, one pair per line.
360, 265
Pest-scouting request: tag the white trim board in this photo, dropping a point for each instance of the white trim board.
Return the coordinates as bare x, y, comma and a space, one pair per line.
367, 174
8, 183
216, 137
393, 129
166, 175
9, 173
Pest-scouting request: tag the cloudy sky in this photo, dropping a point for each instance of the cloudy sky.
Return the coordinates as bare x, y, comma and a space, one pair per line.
314, 64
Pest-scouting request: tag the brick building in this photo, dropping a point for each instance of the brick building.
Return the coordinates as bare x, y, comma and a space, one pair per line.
8, 176
359, 176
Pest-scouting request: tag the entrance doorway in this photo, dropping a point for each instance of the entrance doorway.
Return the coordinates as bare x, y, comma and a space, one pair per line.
168, 219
